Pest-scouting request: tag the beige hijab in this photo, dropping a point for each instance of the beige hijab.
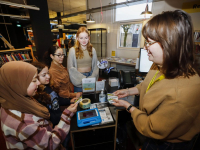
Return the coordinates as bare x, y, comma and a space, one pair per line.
15, 78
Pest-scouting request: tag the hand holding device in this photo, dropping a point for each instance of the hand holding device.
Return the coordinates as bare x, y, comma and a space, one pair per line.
72, 101
121, 103
72, 108
78, 94
121, 93
110, 97
78, 100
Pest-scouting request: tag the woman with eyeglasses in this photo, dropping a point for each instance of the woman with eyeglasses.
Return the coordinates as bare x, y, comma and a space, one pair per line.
169, 110
59, 74
82, 60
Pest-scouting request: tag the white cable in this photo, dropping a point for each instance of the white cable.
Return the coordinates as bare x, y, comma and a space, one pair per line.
24, 2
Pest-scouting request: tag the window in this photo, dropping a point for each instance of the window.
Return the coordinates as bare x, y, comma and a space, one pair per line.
131, 12
130, 35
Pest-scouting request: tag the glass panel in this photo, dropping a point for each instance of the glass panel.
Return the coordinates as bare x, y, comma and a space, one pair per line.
95, 39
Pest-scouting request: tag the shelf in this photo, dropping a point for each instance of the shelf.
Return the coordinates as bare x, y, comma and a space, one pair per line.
196, 43
97, 144
122, 63
21, 54
94, 136
14, 50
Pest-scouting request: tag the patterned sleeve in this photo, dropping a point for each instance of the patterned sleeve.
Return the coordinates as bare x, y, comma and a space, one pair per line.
25, 130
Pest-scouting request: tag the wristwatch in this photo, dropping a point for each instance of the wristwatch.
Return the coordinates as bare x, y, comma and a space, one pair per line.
129, 107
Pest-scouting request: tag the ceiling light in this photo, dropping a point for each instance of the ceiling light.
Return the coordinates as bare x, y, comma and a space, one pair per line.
54, 28
146, 13
19, 5
29, 30
90, 20
60, 25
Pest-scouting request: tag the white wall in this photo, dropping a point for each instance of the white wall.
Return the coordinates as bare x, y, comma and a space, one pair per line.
113, 27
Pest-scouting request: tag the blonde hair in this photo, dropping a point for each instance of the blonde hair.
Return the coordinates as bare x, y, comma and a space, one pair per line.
77, 46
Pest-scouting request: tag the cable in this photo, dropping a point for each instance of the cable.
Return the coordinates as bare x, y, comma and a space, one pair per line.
101, 12
24, 2
63, 7
70, 9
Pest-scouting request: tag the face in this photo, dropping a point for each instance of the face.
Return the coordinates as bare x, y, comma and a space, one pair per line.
44, 76
83, 38
58, 56
155, 52
32, 88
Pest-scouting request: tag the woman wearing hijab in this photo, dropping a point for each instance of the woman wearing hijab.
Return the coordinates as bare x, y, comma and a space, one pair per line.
24, 121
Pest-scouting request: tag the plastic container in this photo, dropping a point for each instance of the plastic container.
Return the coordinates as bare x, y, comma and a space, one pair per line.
102, 97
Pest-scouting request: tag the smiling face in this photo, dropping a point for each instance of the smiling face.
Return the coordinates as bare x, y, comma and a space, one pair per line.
83, 39
32, 88
44, 76
155, 52
58, 56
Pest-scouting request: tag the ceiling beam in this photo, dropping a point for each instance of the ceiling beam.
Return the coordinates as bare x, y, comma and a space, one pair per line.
14, 16
19, 5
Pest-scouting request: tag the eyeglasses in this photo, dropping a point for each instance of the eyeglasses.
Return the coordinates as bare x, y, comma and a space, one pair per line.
60, 55
147, 44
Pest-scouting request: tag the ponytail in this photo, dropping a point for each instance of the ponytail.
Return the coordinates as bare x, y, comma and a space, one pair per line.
47, 59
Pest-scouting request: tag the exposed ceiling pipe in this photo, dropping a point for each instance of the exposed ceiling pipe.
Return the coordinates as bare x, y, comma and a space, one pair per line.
104, 8
14, 16
19, 5
6, 23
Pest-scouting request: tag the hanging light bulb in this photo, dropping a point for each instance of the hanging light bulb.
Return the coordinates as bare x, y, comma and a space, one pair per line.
90, 20
146, 13
60, 25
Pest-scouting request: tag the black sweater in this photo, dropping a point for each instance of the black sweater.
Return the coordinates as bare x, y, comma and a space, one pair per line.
54, 107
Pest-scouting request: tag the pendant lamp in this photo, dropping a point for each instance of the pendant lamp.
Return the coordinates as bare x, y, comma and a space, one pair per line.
146, 13
90, 20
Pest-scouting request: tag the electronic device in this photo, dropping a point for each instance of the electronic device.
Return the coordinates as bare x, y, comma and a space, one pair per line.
144, 62
78, 100
110, 97
88, 117
127, 79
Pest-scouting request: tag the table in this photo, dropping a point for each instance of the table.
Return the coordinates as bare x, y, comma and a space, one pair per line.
94, 137
101, 136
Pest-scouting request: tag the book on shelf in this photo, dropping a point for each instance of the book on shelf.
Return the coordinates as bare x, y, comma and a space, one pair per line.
14, 57
104, 112
7, 57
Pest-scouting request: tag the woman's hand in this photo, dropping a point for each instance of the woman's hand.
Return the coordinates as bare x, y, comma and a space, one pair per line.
121, 93
72, 108
121, 103
73, 100
78, 94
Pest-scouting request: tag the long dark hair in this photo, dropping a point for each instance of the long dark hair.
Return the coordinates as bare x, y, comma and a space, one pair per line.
41, 95
173, 30
47, 59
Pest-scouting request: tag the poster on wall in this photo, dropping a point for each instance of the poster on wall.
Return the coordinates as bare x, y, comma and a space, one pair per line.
130, 34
